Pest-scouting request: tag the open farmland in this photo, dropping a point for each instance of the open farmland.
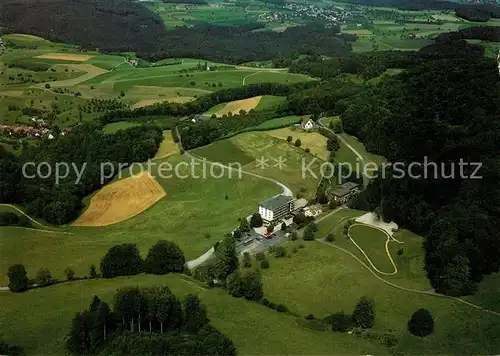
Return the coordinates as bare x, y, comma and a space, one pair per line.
212, 206
121, 200
311, 140
234, 107
66, 57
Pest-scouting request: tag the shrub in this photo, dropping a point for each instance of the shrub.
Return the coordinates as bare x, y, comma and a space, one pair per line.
279, 252
400, 252
364, 313
164, 257
121, 260
264, 301
44, 278
421, 323
247, 260
92, 272
339, 322
47, 86
307, 150
70, 273
260, 256
18, 279
310, 317
298, 143
330, 237
281, 308
264, 264
301, 246
294, 236
294, 250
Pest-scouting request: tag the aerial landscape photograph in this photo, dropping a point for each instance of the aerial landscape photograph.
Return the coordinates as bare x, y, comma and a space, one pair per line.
249, 177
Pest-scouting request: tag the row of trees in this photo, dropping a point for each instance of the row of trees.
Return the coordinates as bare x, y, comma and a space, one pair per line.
125, 260
146, 320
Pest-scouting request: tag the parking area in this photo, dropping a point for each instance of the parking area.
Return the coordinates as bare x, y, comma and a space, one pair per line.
258, 243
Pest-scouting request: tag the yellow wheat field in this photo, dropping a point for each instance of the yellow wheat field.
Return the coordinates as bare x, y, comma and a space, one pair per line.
121, 200
66, 56
237, 105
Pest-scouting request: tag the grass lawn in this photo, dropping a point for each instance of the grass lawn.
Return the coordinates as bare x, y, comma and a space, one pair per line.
253, 328
192, 207
360, 147
225, 152
320, 279
312, 140
120, 125
270, 101
327, 224
278, 123
372, 241
167, 147
487, 293
260, 145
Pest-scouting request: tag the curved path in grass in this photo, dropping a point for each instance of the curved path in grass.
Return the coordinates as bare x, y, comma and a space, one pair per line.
389, 239
492, 312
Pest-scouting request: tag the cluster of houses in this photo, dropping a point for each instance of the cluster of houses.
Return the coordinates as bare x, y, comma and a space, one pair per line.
39, 129
305, 11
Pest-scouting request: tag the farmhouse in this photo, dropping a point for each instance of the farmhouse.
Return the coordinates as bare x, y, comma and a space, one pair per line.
307, 124
276, 207
344, 192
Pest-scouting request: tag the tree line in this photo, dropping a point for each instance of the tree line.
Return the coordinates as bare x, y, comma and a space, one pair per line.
133, 27
120, 260
146, 321
87, 146
204, 103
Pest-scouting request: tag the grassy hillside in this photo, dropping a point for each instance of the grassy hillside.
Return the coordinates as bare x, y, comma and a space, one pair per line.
211, 206
254, 329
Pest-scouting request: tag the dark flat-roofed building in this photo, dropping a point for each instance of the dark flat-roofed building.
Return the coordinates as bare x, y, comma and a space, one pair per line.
344, 191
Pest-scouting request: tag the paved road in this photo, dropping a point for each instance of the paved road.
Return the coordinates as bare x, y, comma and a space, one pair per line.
365, 179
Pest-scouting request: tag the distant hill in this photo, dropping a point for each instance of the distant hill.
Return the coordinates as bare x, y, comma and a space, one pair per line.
111, 25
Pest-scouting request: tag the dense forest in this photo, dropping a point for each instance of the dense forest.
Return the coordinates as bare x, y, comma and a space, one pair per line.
441, 111
146, 321
111, 25
60, 202
121, 25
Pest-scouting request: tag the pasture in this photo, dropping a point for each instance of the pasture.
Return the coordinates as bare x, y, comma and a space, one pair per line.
66, 57
311, 140
120, 125
197, 211
225, 152
320, 279
260, 145
278, 123
236, 106
167, 147
270, 101
372, 241
121, 200
253, 328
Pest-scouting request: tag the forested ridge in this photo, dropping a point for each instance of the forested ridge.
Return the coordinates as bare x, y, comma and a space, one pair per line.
446, 111
122, 25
